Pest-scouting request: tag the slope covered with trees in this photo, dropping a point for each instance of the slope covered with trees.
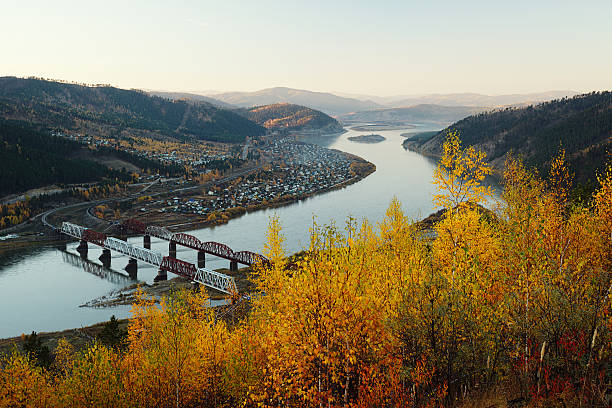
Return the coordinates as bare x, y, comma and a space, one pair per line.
192, 97
581, 125
504, 308
285, 116
109, 110
31, 157
423, 113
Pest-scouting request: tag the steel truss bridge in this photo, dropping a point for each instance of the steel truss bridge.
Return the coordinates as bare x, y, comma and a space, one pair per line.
204, 276
189, 241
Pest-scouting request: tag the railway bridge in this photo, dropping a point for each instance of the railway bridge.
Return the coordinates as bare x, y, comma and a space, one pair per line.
165, 264
209, 247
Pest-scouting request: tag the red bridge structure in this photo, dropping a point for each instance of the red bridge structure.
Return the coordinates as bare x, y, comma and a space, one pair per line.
209, 247
201, 275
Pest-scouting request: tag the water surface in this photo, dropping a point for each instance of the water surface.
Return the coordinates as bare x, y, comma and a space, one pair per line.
41, 288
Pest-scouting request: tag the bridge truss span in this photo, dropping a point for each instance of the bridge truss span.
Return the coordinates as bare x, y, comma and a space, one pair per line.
158, 232
189, 241
250, 258
75, 231
217, 280
133, 251
207, 277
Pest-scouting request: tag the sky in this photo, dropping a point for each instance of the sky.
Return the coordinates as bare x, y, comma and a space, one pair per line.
381, 48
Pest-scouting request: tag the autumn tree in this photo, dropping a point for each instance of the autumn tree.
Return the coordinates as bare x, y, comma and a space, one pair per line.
459, 174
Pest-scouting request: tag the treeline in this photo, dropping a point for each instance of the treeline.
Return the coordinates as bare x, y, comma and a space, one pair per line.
20, 211
32, 158
492, 308
72, 106
285, 116
581, 125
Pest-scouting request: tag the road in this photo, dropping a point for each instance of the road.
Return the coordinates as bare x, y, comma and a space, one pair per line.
90, 204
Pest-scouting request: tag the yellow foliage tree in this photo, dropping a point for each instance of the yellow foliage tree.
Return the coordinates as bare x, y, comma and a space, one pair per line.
459, 174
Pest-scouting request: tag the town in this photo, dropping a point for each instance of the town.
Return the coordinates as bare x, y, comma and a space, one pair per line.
279, 170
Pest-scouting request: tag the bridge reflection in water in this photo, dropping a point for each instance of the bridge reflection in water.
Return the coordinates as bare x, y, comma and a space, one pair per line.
96, 269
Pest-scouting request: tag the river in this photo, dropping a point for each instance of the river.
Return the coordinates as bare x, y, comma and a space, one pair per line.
41, 288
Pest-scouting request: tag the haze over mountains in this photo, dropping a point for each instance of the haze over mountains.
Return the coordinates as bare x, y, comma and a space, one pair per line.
340, 103
465, 99
473, 99
325, 102
423, 113
350, 108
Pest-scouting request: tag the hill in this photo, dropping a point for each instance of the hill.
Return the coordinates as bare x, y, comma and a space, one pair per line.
425, 113
285, 116
31, 157
109, 110
582, 125
325, 102
191, 97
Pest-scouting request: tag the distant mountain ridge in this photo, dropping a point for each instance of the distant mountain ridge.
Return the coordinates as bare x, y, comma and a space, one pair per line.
109, 110
464, 99
191, 97
424, 113
325, 102
285, 116
581, 125
475, 99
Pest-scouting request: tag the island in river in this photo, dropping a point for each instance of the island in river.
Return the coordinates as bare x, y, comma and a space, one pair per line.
367, 138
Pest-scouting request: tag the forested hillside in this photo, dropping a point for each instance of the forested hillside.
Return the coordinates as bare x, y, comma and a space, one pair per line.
581, 125
192, 97
285, 116
31, 158
423, 113
109, 110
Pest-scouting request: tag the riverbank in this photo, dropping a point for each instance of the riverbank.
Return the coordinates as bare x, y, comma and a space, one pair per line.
33, 233
60, 283
187, 222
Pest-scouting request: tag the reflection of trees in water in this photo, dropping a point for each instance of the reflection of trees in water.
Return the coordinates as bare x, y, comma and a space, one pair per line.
12, 257
95, 269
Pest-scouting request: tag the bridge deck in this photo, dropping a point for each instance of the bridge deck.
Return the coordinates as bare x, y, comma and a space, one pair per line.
207, 277
189, 241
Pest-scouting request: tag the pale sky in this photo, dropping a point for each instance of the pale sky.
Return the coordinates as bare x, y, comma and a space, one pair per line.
368, 47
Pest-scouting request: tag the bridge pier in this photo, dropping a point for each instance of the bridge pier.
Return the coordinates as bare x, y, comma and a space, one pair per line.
82, 248
201, 259
105, 258
162, 275
61, 245
147, 241
233, 265
132, 268
172, 249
